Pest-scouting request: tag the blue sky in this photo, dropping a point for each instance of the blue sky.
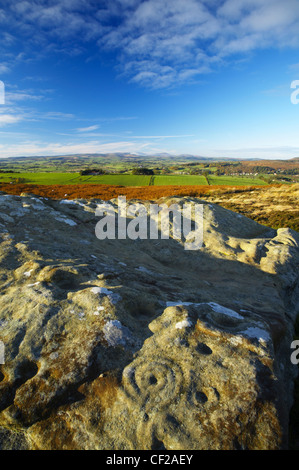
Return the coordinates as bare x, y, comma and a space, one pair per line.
201, 77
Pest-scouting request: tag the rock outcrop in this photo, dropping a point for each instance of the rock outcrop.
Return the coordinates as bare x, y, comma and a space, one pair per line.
141, 344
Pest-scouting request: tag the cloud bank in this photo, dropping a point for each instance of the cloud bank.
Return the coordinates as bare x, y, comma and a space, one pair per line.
157, 43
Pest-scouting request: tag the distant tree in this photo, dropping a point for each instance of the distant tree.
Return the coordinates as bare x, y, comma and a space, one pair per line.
92, 171
142, 171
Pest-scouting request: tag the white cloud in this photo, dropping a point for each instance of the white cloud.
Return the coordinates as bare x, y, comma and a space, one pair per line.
9, 119
294, 67
159, 43
57, 115
266, 152
88, 129
21, 95
4, 68
177, 136
274, 16
47, 149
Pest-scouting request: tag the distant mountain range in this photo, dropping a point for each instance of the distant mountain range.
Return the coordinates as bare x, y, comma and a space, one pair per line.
128, 157
163, 156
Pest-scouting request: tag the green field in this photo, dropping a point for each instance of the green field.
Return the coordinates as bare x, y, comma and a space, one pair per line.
235, 180
74, 178
120, 180
178, 180
41, 178
125, 179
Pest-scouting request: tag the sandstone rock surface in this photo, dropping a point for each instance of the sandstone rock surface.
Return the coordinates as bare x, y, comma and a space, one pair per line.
141, 344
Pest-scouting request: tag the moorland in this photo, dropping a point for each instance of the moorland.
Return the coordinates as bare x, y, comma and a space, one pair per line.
249, 187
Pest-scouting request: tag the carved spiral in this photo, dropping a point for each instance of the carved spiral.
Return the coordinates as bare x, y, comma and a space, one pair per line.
153, 384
